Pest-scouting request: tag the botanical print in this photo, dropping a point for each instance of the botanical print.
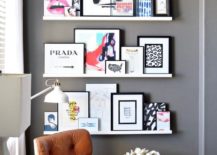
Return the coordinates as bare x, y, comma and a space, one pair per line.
101, 45
100, 103
154, 55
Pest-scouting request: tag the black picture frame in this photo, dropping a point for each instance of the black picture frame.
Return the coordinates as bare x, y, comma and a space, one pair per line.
159, 46
116, 123
164, 11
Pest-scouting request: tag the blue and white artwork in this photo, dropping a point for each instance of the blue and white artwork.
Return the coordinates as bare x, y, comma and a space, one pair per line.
50, 121
144, 8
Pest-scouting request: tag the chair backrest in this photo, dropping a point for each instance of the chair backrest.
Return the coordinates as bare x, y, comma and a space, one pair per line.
72, 142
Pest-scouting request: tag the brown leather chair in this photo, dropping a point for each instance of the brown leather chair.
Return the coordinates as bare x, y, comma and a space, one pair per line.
72, 142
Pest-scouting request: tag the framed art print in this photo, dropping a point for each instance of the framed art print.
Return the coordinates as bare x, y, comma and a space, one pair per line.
122, 8
97, 7
64, 58
134, 58
127, 113
90, 124
101, 45
69, 113
100, 103
50, 121
55, 7
163, 121
161, 7
156, 53
115, 67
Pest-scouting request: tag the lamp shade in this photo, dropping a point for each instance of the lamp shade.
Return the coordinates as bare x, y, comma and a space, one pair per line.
15, 93
56, 96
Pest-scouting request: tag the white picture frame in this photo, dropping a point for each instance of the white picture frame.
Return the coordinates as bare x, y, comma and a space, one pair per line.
156, 54
134, 59
67, 59
50, 122
100, 103
127, 111
69, 113
90, 124
115, 67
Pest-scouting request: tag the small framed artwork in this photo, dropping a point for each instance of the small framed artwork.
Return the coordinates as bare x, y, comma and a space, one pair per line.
127, 113
115, 67
69, 113
50, 121
56, 7
101, 45
70, 11
163, 121
122, 8
100, 103
97, 7
156, 53
90, 124
134, 58
64, 58
161, 7
144, 8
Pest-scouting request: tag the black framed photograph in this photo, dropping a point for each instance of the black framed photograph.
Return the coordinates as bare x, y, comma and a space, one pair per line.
134, 58
69, 113
115, 67
64, 58
122, 8
161, 7
156, 54
50, 122
101, 45
127, 113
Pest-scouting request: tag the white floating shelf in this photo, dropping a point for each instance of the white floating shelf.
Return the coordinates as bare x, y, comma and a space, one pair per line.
122, 132
59, 18
109, 76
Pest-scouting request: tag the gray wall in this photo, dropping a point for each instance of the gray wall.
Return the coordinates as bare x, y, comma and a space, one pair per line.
181, 92
210, 77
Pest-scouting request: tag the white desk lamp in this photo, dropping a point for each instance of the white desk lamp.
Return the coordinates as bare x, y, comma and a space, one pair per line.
15, 102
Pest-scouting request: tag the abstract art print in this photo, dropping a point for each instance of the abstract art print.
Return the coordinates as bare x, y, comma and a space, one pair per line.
69, 113
156, 53
50, 122
122, 8
127, 113
101, 45
100, 103
134, 58
115, 67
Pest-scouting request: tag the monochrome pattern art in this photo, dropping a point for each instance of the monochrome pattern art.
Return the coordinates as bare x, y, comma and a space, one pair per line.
154, 55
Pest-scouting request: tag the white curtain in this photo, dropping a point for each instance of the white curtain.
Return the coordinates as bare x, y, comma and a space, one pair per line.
14, 58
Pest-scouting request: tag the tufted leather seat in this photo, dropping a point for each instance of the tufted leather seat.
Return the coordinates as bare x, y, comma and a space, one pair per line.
72, 142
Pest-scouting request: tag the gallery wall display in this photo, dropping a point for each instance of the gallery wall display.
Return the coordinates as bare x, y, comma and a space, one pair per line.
64, 58
156, 53
100, 45
69, 113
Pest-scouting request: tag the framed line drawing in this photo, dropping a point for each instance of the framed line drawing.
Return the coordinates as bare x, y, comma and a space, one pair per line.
50, 121
161, 7
127, 113
100, 103
156, 53
115, 67
101, 45
64, 58
134, 58
69, 113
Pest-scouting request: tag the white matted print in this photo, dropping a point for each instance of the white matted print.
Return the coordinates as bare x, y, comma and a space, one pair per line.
100, 45
50, 121
55, 7
69, 113
127, 111
96, 8
134, 58
100, 103
90, 124
156, 53
115, 67
64, 58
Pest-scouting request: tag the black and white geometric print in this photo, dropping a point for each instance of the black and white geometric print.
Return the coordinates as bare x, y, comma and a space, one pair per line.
153, 55
150, 115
